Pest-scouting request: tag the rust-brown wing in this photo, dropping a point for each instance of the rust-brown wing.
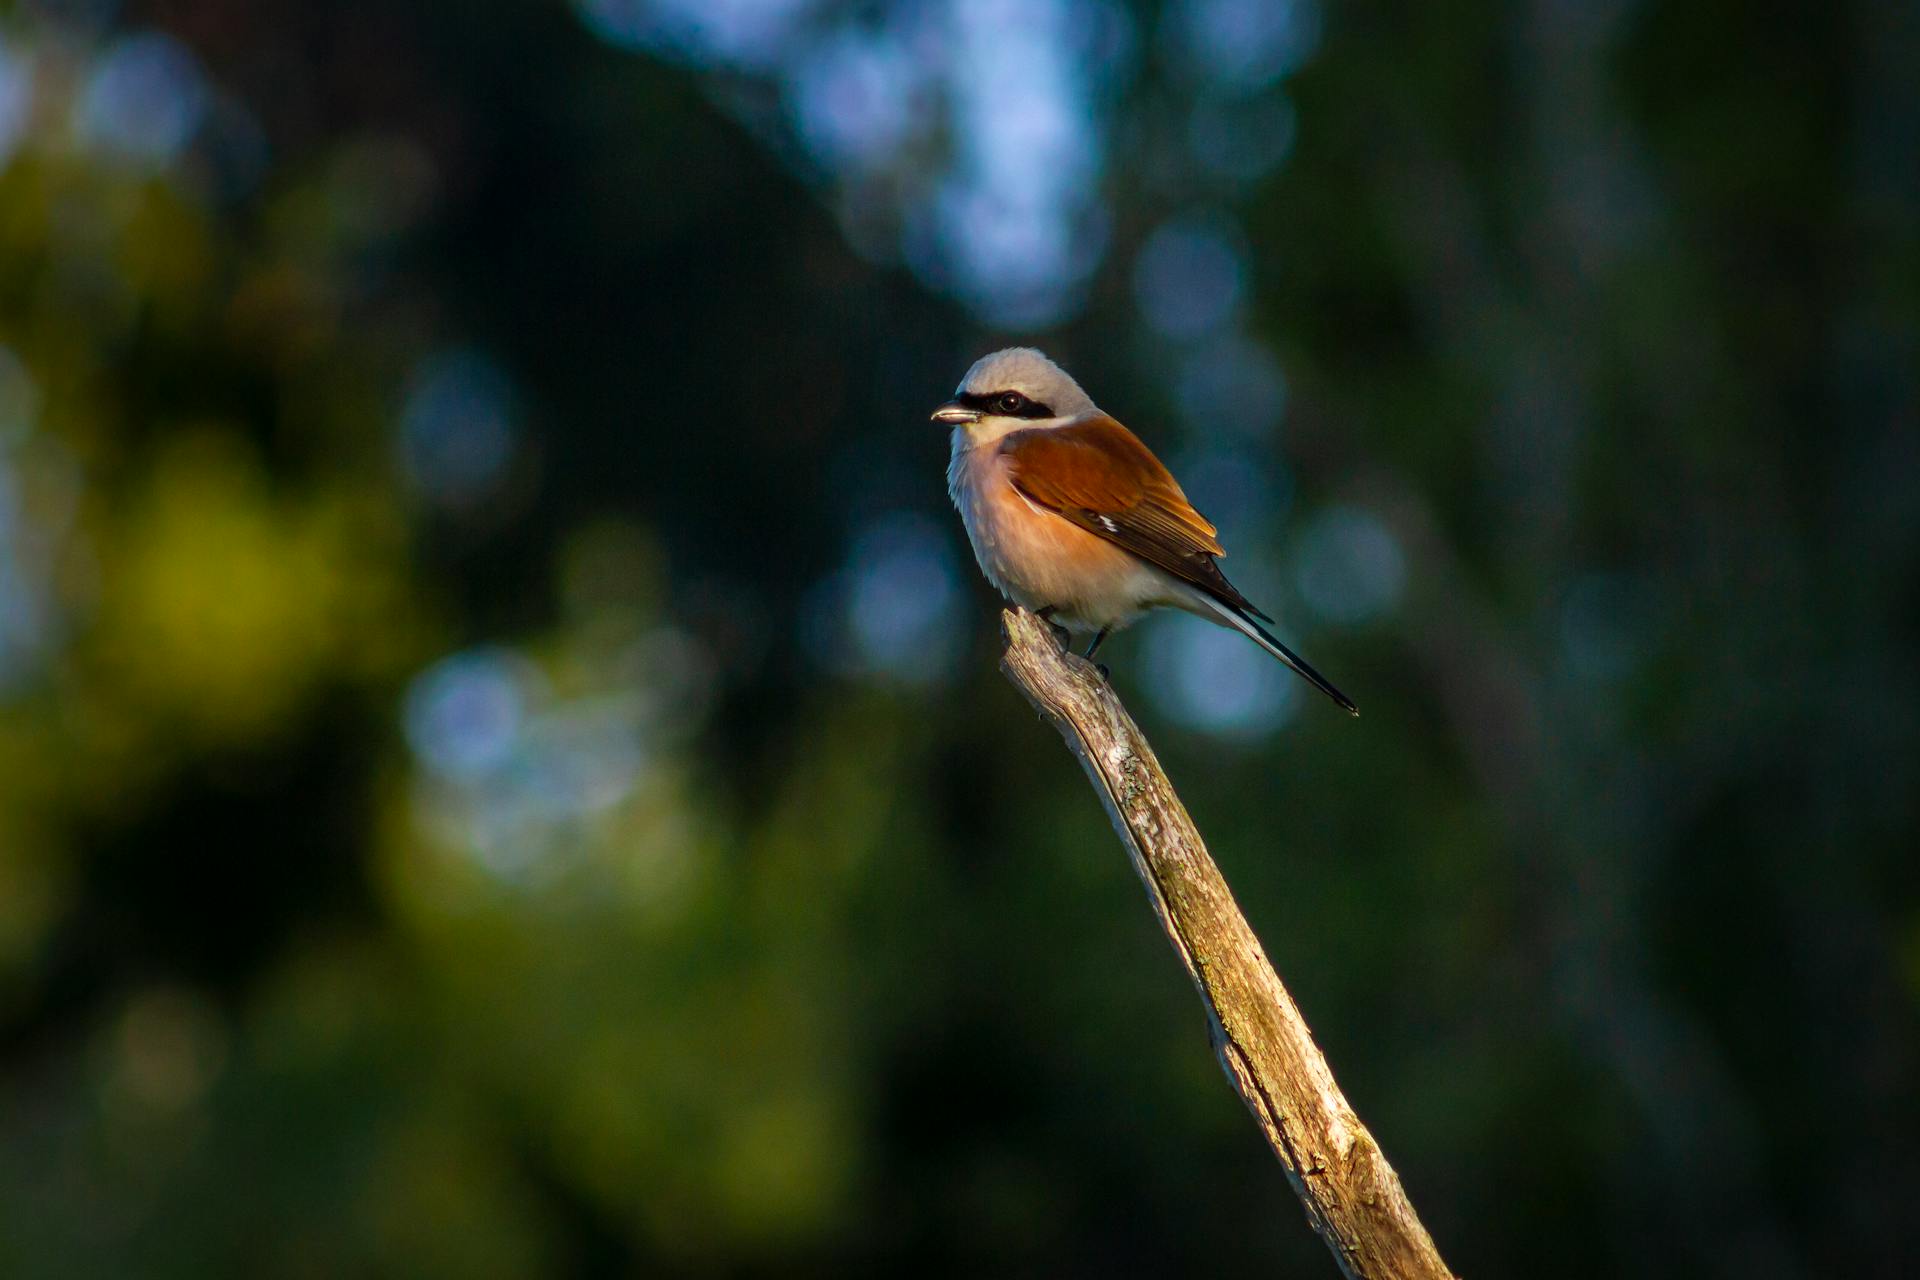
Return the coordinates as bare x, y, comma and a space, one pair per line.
1098, 475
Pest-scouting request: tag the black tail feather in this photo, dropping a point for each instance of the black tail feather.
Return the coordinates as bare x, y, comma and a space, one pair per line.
1272, 645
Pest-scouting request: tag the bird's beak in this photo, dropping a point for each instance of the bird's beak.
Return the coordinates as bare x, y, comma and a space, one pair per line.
953, 413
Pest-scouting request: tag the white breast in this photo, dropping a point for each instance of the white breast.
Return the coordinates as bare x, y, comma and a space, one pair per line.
1035, 558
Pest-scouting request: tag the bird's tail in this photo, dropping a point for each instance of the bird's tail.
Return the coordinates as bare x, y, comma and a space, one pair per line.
1240, 620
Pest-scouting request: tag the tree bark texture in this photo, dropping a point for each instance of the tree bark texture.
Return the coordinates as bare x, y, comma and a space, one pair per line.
1352, 1196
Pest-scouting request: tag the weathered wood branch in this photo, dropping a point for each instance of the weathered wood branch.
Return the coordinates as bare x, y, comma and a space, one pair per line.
1352, 1195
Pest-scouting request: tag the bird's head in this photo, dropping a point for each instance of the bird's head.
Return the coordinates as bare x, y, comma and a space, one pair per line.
1012, 389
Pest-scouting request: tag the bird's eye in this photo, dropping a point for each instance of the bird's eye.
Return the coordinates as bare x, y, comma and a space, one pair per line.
1009, 402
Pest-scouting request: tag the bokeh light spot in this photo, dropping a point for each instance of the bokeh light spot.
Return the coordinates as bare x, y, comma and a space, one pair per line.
1016, 218
1348, 566
1241, 141
962, 135
1235, 488
16, 98
171, 1046
522, 760
456, 428
144, 99
465, 713
1231, 385
1247, 44
1215, 680
1601, 625
1189, 278
903, 598
745, 33
854, 99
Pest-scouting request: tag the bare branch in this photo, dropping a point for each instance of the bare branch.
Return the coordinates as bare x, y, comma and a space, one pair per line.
1351, 1194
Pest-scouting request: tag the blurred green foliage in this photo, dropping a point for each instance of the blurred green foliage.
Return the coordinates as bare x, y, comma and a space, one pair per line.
469, 805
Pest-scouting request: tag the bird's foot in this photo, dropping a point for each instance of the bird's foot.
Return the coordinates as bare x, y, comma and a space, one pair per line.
1105, 674
1061, 635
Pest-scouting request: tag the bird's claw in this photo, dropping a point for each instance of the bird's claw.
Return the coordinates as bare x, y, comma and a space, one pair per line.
1061, 636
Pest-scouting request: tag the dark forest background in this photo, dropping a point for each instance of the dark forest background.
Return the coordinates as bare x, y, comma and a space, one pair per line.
502, 770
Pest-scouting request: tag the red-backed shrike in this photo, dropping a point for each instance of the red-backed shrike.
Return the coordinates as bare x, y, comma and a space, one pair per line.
1072, 517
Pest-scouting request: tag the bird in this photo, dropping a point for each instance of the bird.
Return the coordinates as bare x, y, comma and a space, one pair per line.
1073, 518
